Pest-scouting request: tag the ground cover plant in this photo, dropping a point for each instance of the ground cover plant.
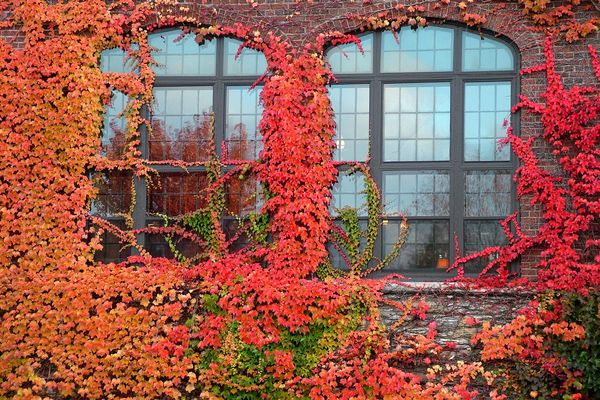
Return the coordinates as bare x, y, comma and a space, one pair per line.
272, 320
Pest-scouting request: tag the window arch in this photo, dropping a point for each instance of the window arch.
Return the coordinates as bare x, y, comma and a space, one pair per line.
203, 104
428, 107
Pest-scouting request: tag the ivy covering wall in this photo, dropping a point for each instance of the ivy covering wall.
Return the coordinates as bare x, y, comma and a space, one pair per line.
270, 321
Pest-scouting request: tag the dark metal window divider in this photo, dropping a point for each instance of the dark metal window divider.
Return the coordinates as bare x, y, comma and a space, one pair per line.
456, 165
219, 83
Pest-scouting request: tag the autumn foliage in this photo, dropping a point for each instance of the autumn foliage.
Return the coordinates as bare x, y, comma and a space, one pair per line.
255, 321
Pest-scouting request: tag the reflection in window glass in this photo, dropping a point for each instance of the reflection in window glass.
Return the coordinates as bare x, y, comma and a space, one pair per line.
182, 128
427, 242
244, 113
114, 126
421, 193
158, 247
182, 124
478, 236
116, 60
112, 249
348, 59
114, 193
349, 192
249, 62
177, 55
485, 54
487, 193
335, 257
237, 238
242, 196
487, 106
351, 108
175, 194
416, 125
421, 50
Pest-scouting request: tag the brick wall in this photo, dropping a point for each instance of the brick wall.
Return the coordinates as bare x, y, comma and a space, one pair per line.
300, 23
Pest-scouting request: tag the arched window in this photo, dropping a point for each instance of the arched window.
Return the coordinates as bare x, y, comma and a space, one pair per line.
428, 106
203, 103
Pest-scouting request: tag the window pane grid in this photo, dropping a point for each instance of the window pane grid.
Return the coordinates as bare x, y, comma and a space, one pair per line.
349, 192
426, 243
249, 61
425, 193
485, 54
179, 55
117, 60
112, 249
182, 124
487, 106
416, 125
400, 119
350, 105
158, 247
348, 59
174, 194
184, 128
488, 193
114, 194
480, 234
243, 114
242, 196
114, 127
421, 50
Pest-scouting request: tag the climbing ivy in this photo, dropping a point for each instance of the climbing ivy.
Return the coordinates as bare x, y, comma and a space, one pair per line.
251, 323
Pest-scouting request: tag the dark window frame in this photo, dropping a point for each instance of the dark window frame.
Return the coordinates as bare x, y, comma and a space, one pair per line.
219, 83
456, 166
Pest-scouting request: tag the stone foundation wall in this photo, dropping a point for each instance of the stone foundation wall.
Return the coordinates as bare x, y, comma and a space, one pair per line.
450, 308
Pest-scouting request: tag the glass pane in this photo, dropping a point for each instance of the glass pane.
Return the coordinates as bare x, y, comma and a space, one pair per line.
347, 58
478, 236
351, 108
416, 193
488, 193
112, 250
422, 50
485, 54
242, 196
426, 248
176, 194
244, 113
337, 260
249, 62
349, 192
416, 122
487, 106
179, 55
114, 127
158, 246
114, 193
238, 239
116, 60
182, 124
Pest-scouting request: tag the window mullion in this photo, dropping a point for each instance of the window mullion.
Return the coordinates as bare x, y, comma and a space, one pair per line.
139, 184
376, 140
457, 199
219, 99
139, 211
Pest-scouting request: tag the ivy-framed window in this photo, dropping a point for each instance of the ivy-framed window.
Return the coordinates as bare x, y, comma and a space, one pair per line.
204, 105
428, 106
